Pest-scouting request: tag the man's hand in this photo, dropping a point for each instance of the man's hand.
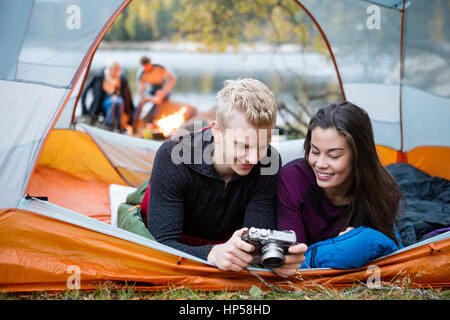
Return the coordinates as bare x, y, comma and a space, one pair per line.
146, 99
157, 99
160, 93
293, 261
233, 255
154, 99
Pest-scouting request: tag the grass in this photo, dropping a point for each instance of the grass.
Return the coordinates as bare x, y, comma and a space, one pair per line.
113, 291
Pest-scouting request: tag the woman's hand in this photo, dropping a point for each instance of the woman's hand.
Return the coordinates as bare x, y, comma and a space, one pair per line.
233, 255
293, 261
345, 231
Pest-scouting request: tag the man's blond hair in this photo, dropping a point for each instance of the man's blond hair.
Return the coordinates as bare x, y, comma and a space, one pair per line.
251, 97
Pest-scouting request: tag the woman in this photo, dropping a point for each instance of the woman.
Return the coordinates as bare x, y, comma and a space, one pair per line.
340, 184
111, 96
113, 105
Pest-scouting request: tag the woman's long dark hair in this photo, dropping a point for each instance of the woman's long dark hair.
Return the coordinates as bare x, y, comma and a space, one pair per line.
374, 194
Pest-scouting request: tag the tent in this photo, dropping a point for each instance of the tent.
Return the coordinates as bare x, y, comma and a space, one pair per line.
397, 69
45, 245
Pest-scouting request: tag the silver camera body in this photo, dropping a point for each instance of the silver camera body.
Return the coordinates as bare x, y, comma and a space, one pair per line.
271, 245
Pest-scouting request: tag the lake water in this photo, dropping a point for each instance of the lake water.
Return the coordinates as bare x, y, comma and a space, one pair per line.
201, 75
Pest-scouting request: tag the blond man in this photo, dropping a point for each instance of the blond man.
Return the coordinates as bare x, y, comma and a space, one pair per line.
209, 186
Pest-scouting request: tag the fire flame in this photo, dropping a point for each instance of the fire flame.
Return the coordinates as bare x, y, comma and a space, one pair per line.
168, 124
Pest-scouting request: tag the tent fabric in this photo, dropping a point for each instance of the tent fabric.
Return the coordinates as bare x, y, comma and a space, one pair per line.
65, 118
425, 119
132, 158
427, 51
75, 174
210, 278
22, 129
43, 240
432, 160
382, 68
50, 53
397, 4
51, 246
77, 154
381, 103
37, 74
87, 197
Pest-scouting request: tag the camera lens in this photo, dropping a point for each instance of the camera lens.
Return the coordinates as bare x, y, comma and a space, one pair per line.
272, 256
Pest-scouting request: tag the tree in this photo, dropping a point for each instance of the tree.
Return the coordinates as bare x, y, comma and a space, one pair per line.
220, 24
225, 24
117, 31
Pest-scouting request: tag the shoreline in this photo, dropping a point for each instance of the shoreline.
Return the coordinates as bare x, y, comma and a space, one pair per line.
187, 46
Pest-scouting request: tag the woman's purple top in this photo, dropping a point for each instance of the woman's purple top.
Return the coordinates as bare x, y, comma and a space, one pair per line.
302, 205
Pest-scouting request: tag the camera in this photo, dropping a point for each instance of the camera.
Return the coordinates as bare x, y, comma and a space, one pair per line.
271, 245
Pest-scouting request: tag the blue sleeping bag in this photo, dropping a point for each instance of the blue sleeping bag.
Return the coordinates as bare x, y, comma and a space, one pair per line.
354, 249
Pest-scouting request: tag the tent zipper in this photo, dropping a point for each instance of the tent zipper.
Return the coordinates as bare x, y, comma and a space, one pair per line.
28, 197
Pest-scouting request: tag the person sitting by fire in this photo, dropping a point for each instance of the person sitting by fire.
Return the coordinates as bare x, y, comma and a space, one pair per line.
155, 84
112, 97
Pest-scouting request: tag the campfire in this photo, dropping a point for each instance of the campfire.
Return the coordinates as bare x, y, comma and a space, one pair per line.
166, 120
168, 124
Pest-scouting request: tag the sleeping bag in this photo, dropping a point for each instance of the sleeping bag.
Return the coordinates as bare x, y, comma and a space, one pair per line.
130, 213
354, 249
427, 202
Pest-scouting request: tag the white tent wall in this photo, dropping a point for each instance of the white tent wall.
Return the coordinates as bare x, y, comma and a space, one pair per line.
58, 36
426, 119
425, 116
386, 82
426, 78
29, 113
40, 67
363, 52
65, 119
427, 46
131, 157
367, 59
10, 14
381, 103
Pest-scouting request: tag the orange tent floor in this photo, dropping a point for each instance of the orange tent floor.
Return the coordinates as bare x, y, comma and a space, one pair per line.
89, 197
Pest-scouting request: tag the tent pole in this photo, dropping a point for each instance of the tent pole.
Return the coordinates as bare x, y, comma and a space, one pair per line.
328, 46
81, 88
401, 156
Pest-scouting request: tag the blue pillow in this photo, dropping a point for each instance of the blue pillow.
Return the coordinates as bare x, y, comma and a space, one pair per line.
354, 249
